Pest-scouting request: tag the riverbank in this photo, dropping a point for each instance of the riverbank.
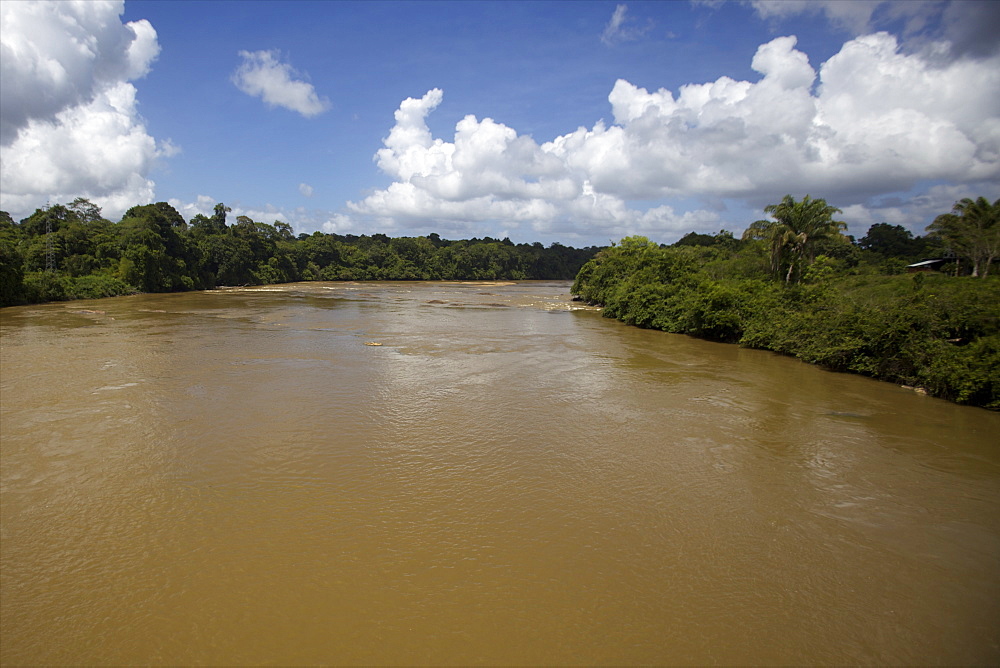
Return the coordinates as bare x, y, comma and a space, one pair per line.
929, 331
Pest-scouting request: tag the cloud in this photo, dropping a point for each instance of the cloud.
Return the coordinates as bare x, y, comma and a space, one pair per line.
58, 55
489, 173
621, 29
870, 121
262, 75
903, 210
955, 28
306, 189
339, 224
486, 172
205, 206
95, 150
69, 123
878, 121
971, 28
854, 16
302, 219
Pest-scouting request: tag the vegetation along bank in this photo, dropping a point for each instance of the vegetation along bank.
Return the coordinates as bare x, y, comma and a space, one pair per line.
795, 284
72, 252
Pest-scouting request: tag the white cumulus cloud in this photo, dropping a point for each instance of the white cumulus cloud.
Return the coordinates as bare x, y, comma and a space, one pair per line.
263, 75
58, 55
870, 121
878, 121
69, 124
489, 173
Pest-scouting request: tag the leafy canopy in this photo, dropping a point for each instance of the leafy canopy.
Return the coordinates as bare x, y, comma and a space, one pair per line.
793, 233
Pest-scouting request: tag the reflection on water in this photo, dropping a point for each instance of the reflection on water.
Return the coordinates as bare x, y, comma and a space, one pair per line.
233, 477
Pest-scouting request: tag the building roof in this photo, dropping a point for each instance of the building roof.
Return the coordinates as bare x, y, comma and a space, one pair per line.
926, 263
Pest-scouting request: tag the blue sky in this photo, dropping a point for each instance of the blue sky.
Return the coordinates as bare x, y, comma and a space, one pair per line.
577, 122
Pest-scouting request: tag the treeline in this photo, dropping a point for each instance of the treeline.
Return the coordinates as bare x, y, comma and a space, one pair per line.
811, 292
70, 251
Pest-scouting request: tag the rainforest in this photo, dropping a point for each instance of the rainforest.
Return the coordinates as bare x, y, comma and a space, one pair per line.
71, 252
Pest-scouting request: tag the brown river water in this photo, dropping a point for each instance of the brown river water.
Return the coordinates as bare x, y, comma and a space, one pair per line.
235, 477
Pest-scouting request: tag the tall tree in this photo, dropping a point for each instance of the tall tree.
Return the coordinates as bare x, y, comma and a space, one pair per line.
155, 256
11, 262
218, 219
793, 233
972, 231
888, 240
85, 210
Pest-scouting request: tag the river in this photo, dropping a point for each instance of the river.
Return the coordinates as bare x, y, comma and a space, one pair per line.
239, 477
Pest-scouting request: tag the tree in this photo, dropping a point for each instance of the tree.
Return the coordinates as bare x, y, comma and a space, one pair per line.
202, 225
793, 233
11, 262
155, 256
888, 240
47, 220
284, 230
972, 231
695, 239
85, 210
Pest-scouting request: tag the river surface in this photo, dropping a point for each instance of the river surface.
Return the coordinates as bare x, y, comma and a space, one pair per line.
235, 477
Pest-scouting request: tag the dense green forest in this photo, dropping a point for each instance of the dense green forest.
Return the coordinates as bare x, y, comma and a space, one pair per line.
795, 284
71, 252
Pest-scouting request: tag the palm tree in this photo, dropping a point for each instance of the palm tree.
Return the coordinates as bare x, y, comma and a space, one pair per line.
971, 230
793, 233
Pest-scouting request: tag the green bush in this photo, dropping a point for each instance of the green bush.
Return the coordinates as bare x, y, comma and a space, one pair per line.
96, 286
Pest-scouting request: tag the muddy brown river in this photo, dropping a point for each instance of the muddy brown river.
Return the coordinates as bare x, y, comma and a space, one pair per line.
239, 477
